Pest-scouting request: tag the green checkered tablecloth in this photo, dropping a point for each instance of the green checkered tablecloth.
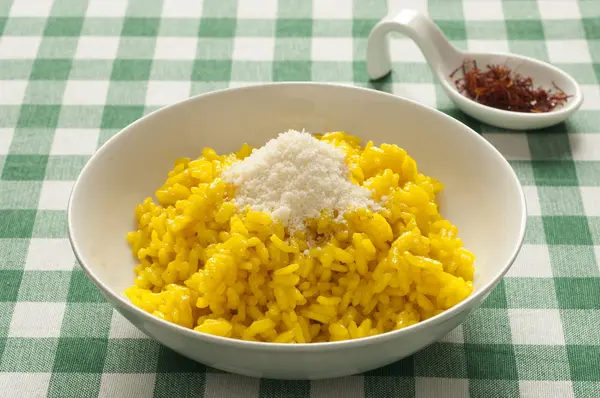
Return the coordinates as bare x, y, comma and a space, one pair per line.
72, 73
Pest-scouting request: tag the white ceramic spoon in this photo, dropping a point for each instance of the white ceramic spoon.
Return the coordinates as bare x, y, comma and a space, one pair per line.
444, 58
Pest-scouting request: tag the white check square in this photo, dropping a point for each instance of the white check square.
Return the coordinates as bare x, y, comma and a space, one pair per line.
167, 92
95, 47
545, 388
332, 9
62, 258
483, 10
405, 50
19, 47
559, 9
533, 261
591, 97
55, 195
533, 200
74, 141
395, 6
420, 92
568, 51
585, 146
12, 92
332, 49
433, 387
590, 196
253, 48
536, 326
127, 385
106, 8
6, 136
250, 9
513, 145
29, 8
121, 328
36, 320
176, 48
182, 9
86, 92
25, 384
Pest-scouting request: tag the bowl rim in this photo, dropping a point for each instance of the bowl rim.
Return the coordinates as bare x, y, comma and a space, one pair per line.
296, 347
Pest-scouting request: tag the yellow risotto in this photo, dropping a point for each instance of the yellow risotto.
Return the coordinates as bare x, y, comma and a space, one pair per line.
204, 264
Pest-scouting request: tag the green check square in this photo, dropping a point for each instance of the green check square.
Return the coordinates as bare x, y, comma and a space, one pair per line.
65, 167
35, 286
441, 360
294, 48
50, 224
576, 327
563, 29
39, 116
362, 27
127, 93
584, 361
403, 367
400, 387
85, 116
179, 385
496, 298
44, 92
442, 10
567, 230
586, 389
2, 24
179, 27
171, 70
140, 27
145, 8
485, 30
270, 388
530, 48
217, 27
11, 280
16, 223
518, 9
119, 116
171, 362
524, 171
120, 360
80, 355
293, 27
87, 320
219, 8
454, 30
28, 141
24, 26
83, 290
575, 293
530, 293
214, 48
9, 115
105, 135
15, 69
528, 29
255, 28
487, 326
491, 361
211, 70
206, 87
13, 253
94, 26
575, 261
5, 321
136, 48
51, 69
560, 201
331, 71
77, 384
19, 195
251, 71
534, 231
551, 145
68, 8
294, 9
24, 167
332, 28
541, 362
555, 173
63, 26
591, 26
91, 69
494, 388
130, 69
28, 355
292, 71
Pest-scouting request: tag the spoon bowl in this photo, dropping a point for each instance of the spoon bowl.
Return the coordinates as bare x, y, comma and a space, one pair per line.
444, 58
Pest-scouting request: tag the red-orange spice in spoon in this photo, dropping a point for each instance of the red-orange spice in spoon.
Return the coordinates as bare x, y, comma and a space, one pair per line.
499, 87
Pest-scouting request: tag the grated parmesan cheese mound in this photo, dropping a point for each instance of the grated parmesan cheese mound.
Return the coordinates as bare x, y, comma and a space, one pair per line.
295, 177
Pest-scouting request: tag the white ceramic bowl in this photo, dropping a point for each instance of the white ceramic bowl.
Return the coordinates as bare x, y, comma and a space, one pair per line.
482, 197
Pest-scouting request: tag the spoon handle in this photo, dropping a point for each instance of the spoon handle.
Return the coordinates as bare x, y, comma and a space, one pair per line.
438, 51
